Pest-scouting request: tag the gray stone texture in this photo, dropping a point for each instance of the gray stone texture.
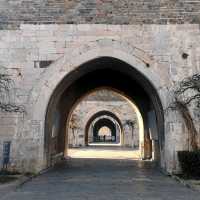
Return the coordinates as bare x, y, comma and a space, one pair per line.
90, 106
101, 179
69, 46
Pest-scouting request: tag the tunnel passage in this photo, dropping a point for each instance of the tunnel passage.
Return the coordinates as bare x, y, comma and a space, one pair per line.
103, 72
96, 116
104, 122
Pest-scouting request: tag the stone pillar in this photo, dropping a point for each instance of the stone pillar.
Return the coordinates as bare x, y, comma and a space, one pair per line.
155, 150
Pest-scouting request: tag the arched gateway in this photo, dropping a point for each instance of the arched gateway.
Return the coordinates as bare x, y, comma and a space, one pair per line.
96, 116
101, 63
104, 122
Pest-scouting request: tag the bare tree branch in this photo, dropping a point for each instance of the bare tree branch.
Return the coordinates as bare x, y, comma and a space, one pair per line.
5, 88
192, 98
188, 91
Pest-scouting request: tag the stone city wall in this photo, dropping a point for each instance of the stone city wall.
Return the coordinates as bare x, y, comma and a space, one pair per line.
15, 12
37, 56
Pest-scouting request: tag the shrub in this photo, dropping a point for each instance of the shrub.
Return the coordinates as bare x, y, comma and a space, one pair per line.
190, 163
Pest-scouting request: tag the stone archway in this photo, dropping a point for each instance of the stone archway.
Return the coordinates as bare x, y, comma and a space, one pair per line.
107, 55
99, 114
104, 122
89, 78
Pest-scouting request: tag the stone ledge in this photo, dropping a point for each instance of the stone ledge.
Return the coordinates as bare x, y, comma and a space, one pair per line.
8, 187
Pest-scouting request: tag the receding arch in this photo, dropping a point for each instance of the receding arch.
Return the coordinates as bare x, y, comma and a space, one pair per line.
99, 114
104, 122
103, 71
49, 84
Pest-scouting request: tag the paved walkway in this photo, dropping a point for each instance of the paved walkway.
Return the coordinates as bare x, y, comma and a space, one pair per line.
103, 179
108, 152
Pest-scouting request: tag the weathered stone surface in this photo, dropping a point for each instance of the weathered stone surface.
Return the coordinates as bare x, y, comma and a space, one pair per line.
103, 179
69, 46
116, 105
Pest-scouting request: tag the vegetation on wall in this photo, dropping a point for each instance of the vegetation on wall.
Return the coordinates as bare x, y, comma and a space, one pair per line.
187, 93
6, 103
73, 124
131, 124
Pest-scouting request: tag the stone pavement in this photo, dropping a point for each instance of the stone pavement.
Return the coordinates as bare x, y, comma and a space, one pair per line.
103, 151
103, 179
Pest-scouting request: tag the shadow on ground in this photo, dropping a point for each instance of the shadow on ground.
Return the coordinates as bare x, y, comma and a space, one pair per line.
103, 179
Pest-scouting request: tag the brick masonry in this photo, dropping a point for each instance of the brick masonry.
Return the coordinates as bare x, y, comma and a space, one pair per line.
16, 12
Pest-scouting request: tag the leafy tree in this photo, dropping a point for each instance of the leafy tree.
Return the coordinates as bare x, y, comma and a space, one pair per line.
131, 124
73, 124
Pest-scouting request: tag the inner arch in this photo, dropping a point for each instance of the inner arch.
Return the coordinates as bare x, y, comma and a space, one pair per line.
104, 122
99, 114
